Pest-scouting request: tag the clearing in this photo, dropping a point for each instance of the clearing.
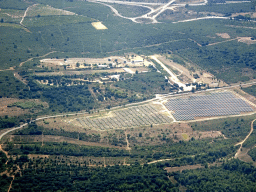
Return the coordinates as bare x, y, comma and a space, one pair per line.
17, 107
223, 35
99, 26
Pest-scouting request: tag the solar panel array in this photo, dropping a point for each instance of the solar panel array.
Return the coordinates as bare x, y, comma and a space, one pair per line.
215, 104
130, 117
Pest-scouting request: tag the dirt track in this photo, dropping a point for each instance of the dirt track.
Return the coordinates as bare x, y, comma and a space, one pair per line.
36, 57
238, 153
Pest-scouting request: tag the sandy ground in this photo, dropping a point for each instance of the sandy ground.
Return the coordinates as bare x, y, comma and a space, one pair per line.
118, 70
99, 26
118, 61
176, 66
246, 40
43, 10
59, 139
223, 35
181, 168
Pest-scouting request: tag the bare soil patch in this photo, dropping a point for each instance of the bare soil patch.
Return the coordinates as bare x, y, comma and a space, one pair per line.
223, 35
58, 139
31, 156
47, 10
247, 40
118, 70
187, 167
65, 123
99, 26
175, 66
243, 155
16, 111
247, 96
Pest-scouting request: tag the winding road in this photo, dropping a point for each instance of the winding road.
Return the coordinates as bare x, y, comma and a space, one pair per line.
242, 142
154, 13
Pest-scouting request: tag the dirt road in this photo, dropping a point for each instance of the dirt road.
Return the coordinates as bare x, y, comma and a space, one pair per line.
22, 19
242, 142
127, 147
36, 57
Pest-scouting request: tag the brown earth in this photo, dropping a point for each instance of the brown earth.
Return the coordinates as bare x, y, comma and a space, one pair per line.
15, 111
223, 35
54, 138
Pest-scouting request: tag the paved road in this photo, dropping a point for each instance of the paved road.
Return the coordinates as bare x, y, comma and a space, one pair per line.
13, 129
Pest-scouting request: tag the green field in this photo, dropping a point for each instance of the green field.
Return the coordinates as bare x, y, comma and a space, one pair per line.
74, 34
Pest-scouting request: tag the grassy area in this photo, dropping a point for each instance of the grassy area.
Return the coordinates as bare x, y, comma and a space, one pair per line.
54, 20
15, 4
27, 105
223, 8
145, 83
252, 153
42, 10
130, 10
185, 136
19, 45
227, 61
251, 90
10, 86
11, 15
235, 127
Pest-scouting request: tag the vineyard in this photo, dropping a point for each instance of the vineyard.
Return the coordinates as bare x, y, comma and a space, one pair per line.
129, 117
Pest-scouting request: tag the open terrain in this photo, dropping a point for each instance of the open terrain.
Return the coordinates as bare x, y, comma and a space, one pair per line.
123, 95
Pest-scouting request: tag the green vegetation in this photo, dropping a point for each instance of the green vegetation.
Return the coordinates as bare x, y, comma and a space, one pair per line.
68, 150
19, 45
251, 90
226, 61
236, 128
5, 183
233, 175
10, 86
60, 99
8, 16
54, 20
15, 4
190, 152
33, 129
27, 105
252, 153
250, 142
185, 136
223, 8
74, 177
8, 122
145, 83
63, 36
3, 160
177, 59
130, 10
